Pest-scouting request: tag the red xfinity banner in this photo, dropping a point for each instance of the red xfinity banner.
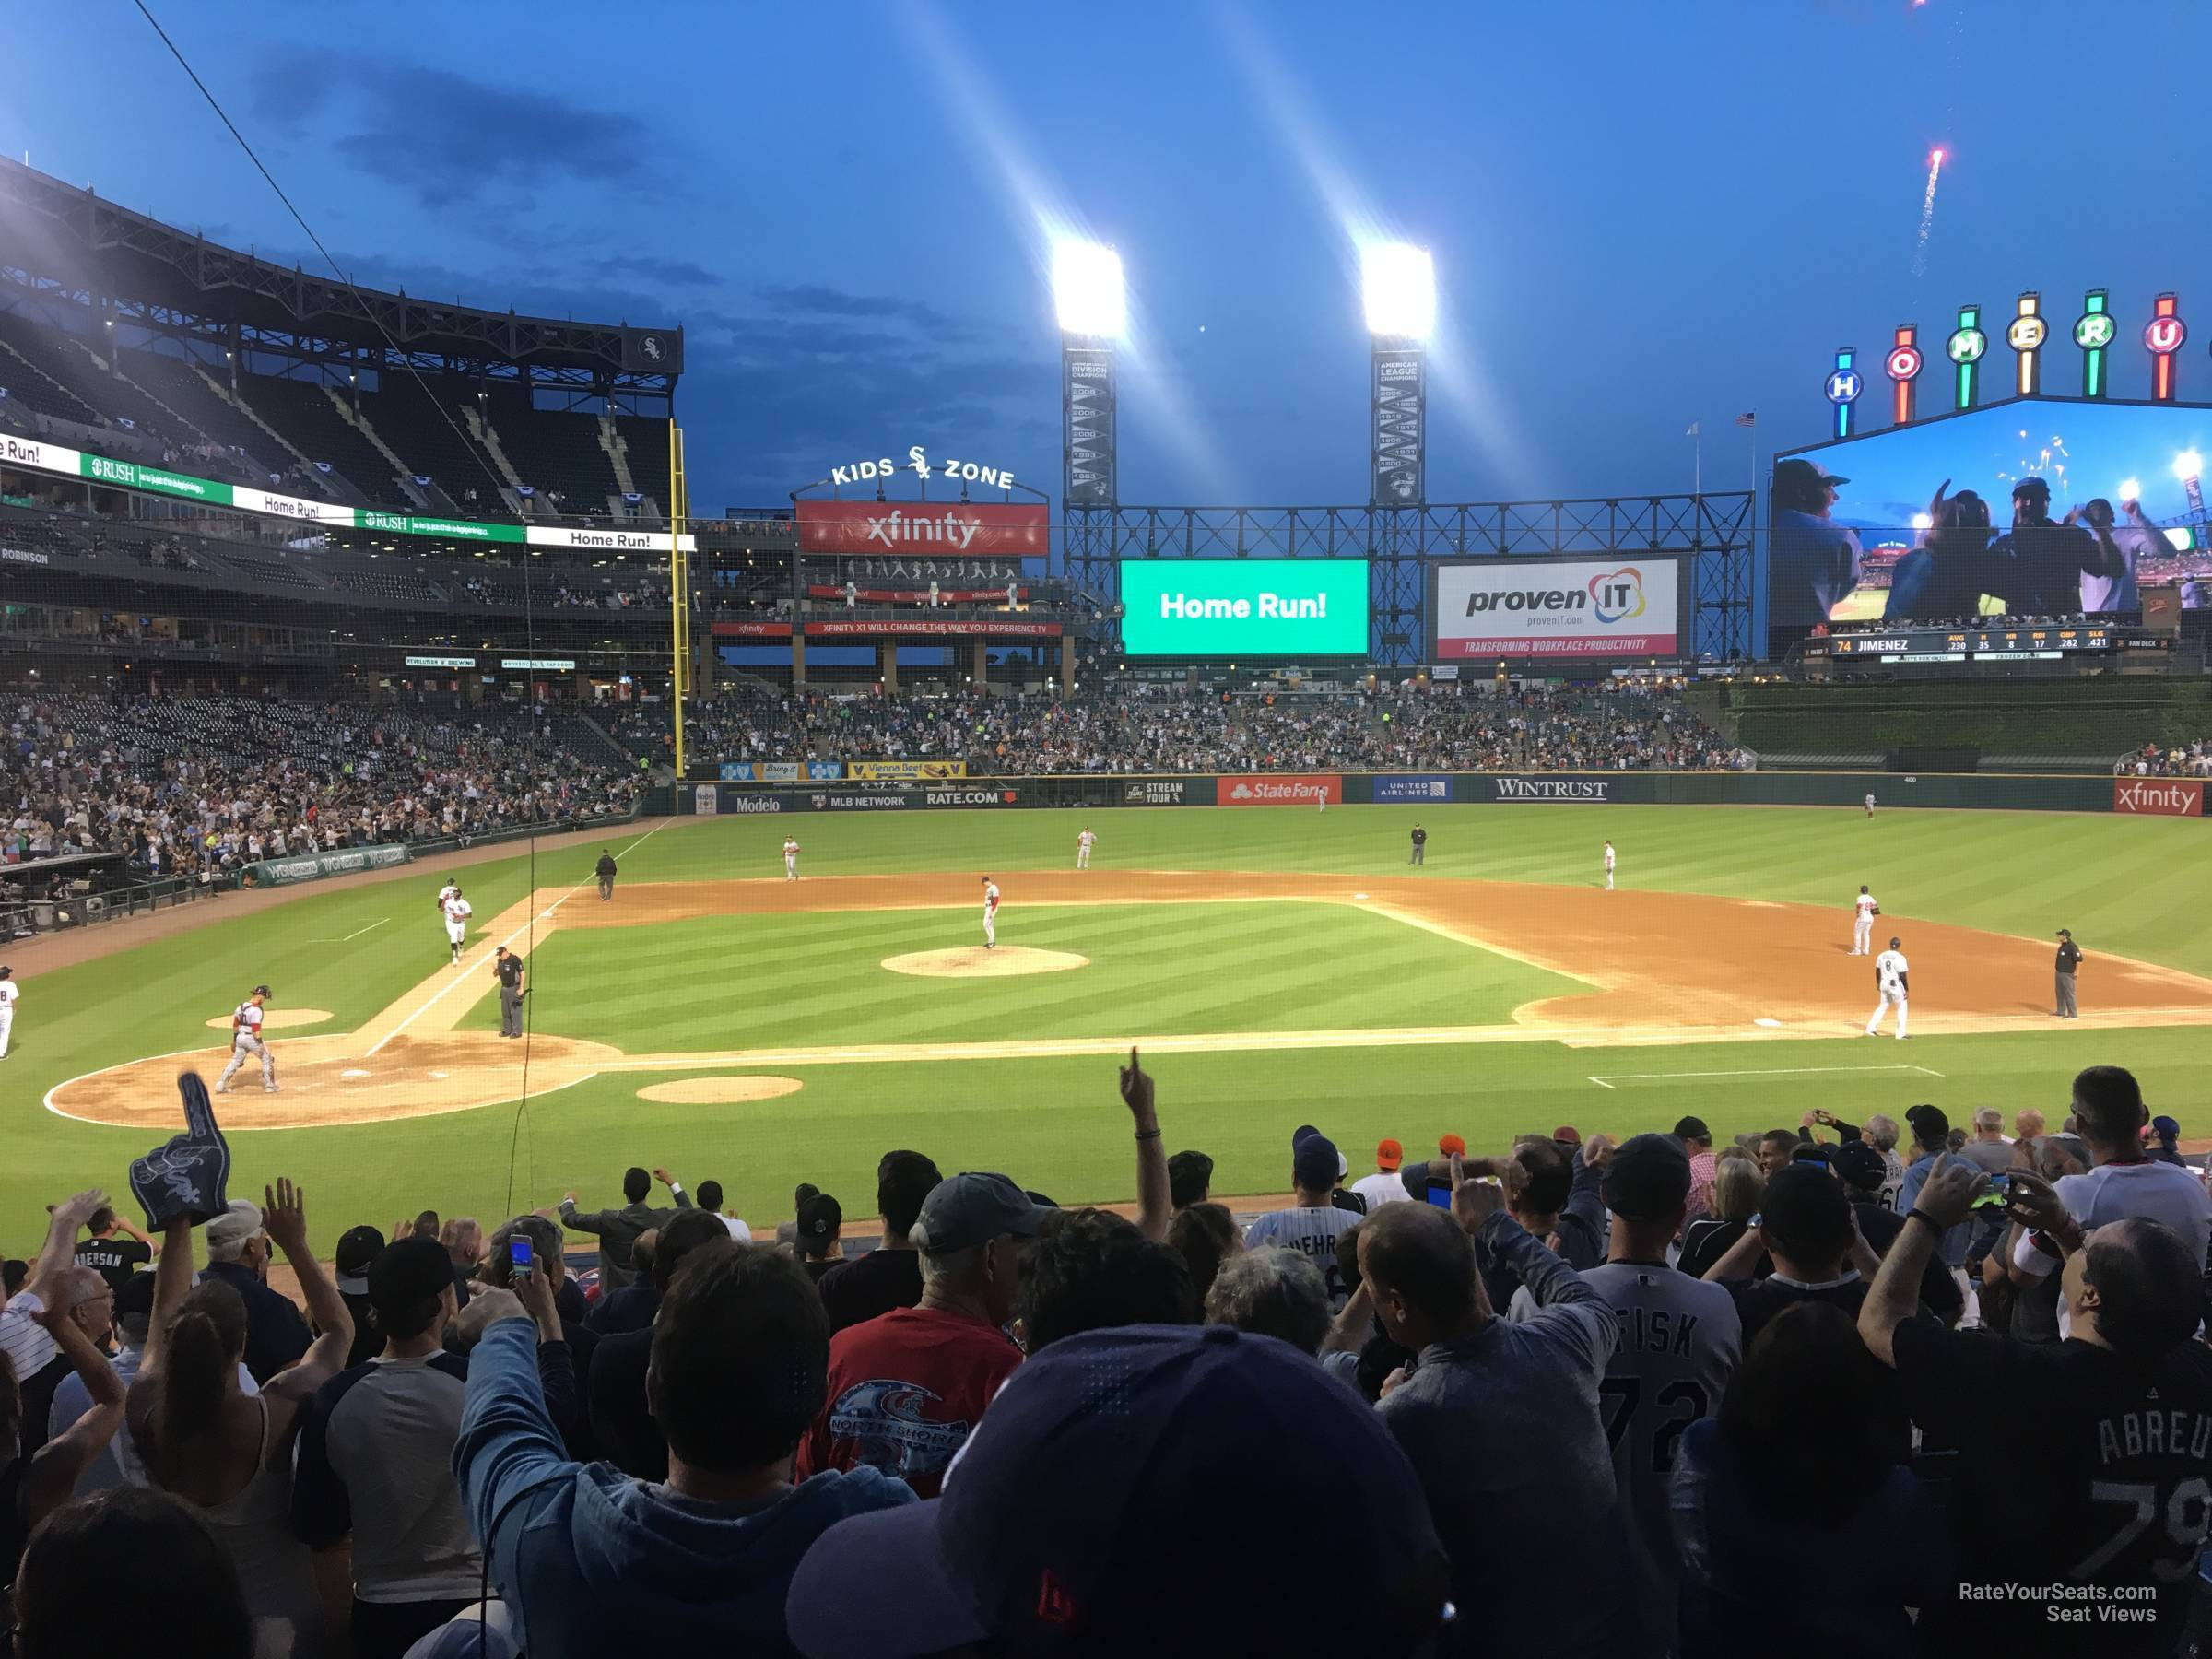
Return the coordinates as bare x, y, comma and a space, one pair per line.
1276, 789
752, 630
2159, 797
941, 527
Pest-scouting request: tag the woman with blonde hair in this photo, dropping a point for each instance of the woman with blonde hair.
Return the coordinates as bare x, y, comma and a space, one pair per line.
1737, 1187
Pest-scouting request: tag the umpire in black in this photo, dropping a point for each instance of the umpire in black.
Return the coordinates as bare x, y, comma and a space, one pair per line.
1420, 846
2070, 959
605, 869
509, 968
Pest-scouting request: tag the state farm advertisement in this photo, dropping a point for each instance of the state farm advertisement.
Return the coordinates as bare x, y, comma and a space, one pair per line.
1277, 789
1585, 609
943, 527
2159, 797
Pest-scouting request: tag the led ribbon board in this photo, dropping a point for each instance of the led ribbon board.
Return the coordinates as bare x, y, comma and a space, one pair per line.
1903, 365
1844, 387
2162, 337
2025, 333
1965, 349
2094, 332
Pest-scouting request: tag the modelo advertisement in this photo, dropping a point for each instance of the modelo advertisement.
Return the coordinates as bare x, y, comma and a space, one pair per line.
1558, 609
1235, 609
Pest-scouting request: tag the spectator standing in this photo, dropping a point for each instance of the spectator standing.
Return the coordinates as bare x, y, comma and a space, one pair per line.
1931, 1140
1311, 1224
1189, 1178
1090, 1270
115, 1259
565, 1372
710, 1200
1697, 1141
2114, 1496
1386, 1186
907, 1388
2164, 1144
620, 1404
1737, 1186
821, 1220
225, 1451
587, 1557
1988, 1150
618, 1230
890, 1275
131, 1547
79, 1298
1859, 1167
1503, 1419
373, 1492
1882, 1131
1205, 1236
358, 1248
1804, 1227
238, 1255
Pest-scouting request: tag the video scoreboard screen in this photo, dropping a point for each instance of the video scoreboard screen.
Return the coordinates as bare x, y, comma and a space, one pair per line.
2048, 644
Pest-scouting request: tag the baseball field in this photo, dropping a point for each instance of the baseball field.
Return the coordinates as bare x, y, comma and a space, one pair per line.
1277, 966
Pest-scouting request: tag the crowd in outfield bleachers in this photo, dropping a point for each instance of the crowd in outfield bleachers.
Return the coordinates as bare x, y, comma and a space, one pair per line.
199, 786
1625, 726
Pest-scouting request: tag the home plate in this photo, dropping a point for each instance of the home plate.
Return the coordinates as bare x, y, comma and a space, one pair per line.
353, 1071
1358, 895
441, 1074
1763, 1021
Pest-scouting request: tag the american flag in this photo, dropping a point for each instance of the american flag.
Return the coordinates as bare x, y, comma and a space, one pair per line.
1746, 420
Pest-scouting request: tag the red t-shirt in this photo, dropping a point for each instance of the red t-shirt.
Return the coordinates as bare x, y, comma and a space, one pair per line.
905, 1392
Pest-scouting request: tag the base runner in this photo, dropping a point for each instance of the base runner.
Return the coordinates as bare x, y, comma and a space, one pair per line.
1083, 842
990, 915
1864, 911
790, 859
1889, 980
246, 1044
457, 913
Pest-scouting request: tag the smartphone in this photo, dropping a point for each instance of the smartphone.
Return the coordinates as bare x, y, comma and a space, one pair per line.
518, 1253
1440, 1195
1996, 1194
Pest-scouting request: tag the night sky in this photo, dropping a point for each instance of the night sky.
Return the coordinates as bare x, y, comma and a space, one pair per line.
1642, 215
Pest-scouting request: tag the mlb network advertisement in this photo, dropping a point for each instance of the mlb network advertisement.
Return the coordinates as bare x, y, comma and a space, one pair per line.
2032, 507
1245, 608
1560, 609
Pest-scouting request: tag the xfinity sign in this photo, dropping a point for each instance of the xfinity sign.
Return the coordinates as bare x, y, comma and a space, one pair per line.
1249, 609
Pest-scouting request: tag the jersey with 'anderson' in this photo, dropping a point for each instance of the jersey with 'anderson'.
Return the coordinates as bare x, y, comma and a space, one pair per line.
2116, 1491
114, 1259
905, 1392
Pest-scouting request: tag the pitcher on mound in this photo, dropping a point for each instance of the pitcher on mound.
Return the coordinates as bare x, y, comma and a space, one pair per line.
990, 915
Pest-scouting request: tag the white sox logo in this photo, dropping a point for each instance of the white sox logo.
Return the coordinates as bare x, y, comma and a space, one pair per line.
918, 462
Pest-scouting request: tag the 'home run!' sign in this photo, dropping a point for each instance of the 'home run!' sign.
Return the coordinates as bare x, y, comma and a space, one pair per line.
1588, 610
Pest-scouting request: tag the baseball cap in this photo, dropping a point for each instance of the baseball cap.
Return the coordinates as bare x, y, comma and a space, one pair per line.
407, 1273
357, 1247
820, 1216
1691, 1128
1066, 1526
1648, 1177
1569, 1134
1860, 1165
1931, 1126
2166, 1128
1800, 471
1449, 1144
234, 1225
972, 1209
136, 1297
2064, 933
1315, 1165
1389, 1155
261, 990
1302, 1135
1806, 1209
2033, 486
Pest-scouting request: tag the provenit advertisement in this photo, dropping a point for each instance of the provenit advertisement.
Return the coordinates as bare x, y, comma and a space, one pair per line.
1558, 609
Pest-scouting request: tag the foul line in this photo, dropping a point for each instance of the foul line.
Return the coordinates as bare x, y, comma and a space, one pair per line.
1609, 1078
528, 920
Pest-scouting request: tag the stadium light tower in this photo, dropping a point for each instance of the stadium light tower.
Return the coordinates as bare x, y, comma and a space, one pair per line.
1398, 285
1093, 308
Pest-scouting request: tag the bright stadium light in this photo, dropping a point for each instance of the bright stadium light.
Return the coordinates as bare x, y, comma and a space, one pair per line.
1087, 291
1398, 282
1922, 520
2188, 465
2131, 489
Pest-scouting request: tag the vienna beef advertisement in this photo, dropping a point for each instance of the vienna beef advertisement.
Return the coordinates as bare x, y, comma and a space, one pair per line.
946, 529
1564, 610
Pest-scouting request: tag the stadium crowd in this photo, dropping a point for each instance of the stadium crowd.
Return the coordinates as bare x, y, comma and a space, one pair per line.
198, 786
1572, 1396
1622, 725
2160, 760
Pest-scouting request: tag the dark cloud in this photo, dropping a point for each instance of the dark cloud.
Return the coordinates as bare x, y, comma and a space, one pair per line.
448, 138
674, 272
809, 299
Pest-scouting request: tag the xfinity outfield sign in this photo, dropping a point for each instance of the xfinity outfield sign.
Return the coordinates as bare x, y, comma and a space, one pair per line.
1228, 608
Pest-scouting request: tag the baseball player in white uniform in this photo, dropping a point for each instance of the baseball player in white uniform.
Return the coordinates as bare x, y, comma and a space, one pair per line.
7, 1007
1083, 842
1889, 980
990, 915
451, 889
790, 859
1870, 804
457, 913
1864, 911
245, 1042
1608, 866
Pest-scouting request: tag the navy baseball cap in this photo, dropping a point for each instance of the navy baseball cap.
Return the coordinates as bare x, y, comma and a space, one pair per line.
1067, 1527
1860, 1166
1316, 1164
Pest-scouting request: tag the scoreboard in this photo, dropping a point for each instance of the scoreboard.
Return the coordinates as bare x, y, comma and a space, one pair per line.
2048, 644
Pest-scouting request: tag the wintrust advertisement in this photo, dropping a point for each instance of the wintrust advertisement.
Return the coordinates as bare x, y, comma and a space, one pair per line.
945, 528
2159, 797
1277, 790
1562, 610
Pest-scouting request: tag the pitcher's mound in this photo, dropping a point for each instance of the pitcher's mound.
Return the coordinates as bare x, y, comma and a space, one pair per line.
975, 962
277, 1019
719, 1092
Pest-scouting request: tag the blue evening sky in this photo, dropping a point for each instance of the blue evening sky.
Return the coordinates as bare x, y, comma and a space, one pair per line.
1644, 215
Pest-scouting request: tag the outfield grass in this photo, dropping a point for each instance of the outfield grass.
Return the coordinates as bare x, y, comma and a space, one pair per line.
2137, 887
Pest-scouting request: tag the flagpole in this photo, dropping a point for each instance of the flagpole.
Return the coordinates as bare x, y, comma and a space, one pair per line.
1697, 464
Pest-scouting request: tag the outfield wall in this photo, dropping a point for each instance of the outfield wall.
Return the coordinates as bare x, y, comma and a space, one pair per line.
2161, 797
